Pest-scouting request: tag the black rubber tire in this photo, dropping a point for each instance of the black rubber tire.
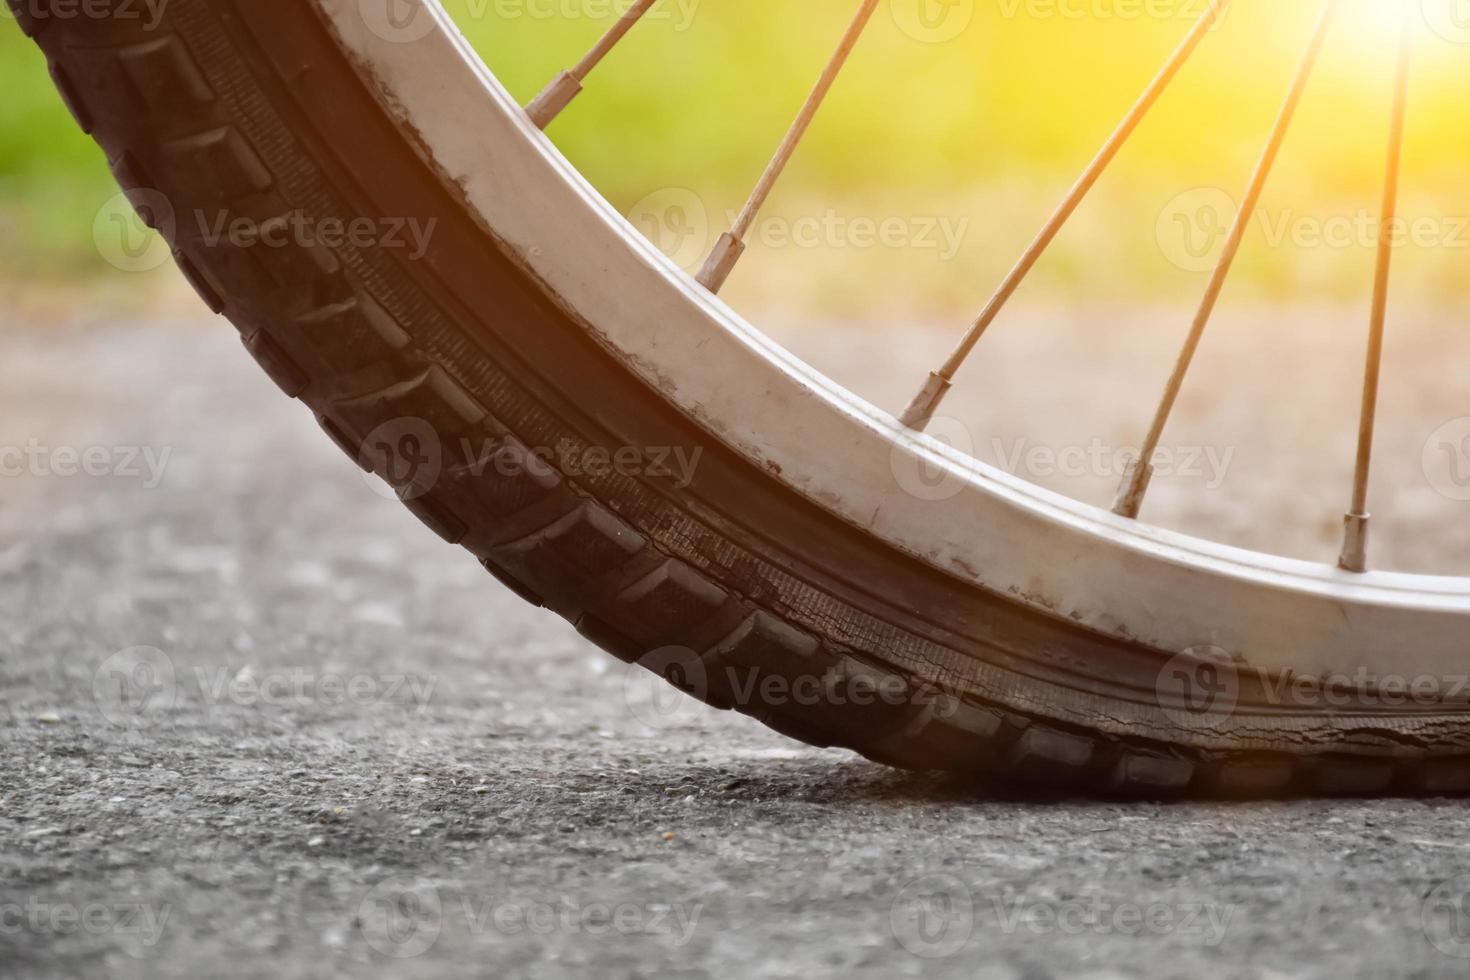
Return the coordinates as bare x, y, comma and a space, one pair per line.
733, 586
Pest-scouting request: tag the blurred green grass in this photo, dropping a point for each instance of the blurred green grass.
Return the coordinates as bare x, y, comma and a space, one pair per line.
52, 176
988, 127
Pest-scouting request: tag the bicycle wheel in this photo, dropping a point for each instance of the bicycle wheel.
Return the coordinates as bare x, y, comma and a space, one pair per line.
801, 569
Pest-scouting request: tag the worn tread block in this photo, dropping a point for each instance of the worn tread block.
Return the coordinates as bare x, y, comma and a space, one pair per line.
352, 334
72, 98
344, 441
680, 667
562, 560
298, 268
217, 166
1338, 775
433, 397
866, 702
508, 479
437, 516
760, 645
1046, 750
241, 266
30, 24
669, 604
163, 76
607, 637
196, 277
1450, 777
1253, 777
510, 582
133, 178
1145, 772
948, 733
282, 370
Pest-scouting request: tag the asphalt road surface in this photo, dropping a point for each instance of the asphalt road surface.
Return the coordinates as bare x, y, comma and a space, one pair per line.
259, 722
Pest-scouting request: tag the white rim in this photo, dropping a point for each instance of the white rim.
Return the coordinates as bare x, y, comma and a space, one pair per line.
1062, 557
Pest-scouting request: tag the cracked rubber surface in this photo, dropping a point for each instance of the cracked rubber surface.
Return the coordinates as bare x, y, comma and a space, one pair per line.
730, 587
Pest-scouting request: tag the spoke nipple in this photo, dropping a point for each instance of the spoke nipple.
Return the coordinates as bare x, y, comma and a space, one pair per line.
721, 262
1136, 479
921, 410
553, 99
1354, 543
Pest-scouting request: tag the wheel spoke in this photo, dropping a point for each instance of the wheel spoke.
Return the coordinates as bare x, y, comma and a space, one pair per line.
568, 85
727, 251
922, 408
1140, 470
1354, 556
